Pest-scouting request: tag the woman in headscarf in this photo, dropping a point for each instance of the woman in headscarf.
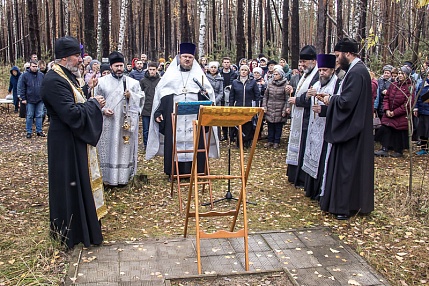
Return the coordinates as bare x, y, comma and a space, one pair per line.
394, 123
276, 106
245, 92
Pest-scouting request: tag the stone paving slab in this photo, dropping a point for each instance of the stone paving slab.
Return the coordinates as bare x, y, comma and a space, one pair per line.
311, 256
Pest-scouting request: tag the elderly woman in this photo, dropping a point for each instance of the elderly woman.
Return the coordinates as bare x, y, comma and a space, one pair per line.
394, 121
216, 80
276, 106
245, 92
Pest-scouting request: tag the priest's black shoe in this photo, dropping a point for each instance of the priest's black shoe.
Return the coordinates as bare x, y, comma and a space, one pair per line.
342, 217
28, 135
396, 155
382, 152
41, 134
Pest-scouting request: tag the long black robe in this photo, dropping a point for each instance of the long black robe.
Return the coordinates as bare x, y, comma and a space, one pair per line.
73, 125
166, 128
294, 173
350, 170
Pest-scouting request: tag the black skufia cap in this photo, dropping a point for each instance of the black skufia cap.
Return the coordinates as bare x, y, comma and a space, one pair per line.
66, 46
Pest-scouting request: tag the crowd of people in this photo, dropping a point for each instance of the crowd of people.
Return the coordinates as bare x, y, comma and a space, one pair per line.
94, 112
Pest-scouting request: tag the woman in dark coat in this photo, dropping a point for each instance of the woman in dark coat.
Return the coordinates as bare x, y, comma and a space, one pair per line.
276, 107
245, 92
13, 85
216, 81
394, 121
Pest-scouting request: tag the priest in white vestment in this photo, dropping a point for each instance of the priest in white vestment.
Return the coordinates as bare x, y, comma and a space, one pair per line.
316, 146
179, 84
118, 144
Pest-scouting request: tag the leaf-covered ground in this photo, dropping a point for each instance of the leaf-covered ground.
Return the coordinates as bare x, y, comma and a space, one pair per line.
393, 239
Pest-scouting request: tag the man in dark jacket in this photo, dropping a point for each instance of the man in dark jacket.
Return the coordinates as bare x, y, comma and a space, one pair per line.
29, 92
76, 200
228, 75
139, 72
148, 84
13, 85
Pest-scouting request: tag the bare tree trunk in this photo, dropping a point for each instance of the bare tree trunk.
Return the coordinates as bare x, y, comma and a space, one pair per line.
321, 26
151, 27
362, 25
122, 25
240, 43
340, 33
48, 31
285, 30
89, 32
10, 36
185, 27
54, 20
66, 17
295, 33
261, 26
131, 47
33, 27
18, 31
417, 33
202, 35
167, 34
104, 32
250, 36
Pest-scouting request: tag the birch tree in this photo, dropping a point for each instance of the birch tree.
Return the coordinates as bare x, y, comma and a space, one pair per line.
66, 17
202, 36
122, 25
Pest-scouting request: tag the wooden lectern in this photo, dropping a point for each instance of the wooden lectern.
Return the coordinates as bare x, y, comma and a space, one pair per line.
186, 108
227, 117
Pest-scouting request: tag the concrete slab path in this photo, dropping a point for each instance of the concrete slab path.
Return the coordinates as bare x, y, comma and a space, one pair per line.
311, 257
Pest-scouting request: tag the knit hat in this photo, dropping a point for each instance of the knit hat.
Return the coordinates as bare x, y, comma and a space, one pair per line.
104, 67
116, 57
387, 68
214, 63
66, 46
279, 69
347, 45
258, 70
93, 62
308, 53
406, 70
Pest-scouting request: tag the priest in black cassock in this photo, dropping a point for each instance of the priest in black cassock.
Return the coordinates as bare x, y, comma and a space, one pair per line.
349, 177
76, 199
178, 84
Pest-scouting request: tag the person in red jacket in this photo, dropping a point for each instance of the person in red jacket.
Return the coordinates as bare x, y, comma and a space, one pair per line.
394, 122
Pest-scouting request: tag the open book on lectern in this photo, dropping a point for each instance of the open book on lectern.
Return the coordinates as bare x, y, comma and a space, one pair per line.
226, 116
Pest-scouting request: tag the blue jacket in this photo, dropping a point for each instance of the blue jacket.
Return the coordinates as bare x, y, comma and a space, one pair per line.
423, 107
29, 86
243, 94
137, 75
13, 81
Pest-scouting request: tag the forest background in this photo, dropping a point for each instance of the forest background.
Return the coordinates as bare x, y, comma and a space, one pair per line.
390, 31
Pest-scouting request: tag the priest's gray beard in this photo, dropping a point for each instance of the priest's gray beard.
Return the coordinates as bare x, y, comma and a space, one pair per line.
308, 70
70, 67
324, 79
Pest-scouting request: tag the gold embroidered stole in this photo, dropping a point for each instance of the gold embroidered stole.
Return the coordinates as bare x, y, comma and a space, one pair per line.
93, 163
